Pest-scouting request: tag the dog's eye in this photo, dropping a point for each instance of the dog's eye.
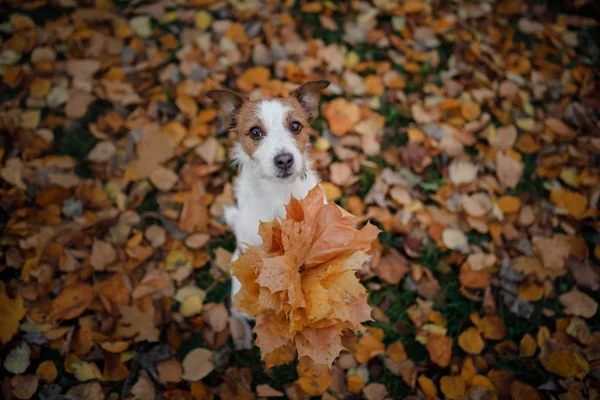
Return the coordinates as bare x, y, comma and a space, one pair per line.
295, 127
255, 133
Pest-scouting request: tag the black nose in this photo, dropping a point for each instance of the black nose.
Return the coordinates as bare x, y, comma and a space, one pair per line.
284, 161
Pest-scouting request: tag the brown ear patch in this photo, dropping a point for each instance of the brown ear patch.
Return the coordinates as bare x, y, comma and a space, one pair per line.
247, 118
230, 104
308, 95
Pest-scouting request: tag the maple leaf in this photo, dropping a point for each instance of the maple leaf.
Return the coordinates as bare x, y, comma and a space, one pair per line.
301, 282
138, 324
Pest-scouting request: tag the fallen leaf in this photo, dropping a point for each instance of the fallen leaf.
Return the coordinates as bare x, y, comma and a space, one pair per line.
392, 268
508, 170
169, 370
72, 301
528, 346
137, 324
470, 341
566, 364
579, 304
47, 371
11, 313
197, 364
24, 386
17, 359
453, 387
103, 254
342, 116
440, 349
454, 239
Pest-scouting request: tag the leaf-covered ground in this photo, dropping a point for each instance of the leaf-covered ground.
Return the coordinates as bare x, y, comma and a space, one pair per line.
467, 131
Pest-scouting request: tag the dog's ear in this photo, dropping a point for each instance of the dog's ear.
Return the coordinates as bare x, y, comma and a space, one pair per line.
308, 94
229, 104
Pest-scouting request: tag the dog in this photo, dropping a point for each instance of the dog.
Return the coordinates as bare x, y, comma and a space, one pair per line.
271, 152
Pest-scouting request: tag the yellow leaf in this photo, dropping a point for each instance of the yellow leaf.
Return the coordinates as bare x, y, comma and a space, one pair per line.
355, 383
468, 370
576, 203
374, 85
187, 105
396, 352
428, 387
480, 380
332, 192
11, 313
453, 387
85, 371
342, 115
528, 346
314, 381
203, 19
470, 341
47, 371
492, 327
509, 204
531, 291
470, 111
255, 76
566, 364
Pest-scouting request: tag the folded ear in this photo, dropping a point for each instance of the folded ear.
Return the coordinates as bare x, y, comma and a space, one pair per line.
308, 94
229, 104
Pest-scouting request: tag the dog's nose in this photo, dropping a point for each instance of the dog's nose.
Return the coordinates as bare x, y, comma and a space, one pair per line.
284, 161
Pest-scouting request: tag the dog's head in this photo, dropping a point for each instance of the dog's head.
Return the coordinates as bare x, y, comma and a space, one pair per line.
272, 134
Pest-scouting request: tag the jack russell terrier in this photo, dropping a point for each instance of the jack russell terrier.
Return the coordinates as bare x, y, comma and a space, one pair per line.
271, 151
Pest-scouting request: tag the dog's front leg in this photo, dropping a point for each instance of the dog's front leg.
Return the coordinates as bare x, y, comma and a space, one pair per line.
242, 339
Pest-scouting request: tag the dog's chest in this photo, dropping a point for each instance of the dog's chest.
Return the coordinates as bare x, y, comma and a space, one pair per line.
265, 203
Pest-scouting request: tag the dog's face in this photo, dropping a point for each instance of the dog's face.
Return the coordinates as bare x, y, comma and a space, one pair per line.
272, 134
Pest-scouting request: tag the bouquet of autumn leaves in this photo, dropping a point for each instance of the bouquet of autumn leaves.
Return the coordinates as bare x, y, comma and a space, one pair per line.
301, 285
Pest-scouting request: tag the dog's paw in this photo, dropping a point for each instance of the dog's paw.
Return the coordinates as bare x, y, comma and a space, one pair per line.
241, 333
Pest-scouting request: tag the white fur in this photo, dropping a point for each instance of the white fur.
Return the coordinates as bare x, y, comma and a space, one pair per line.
261, 195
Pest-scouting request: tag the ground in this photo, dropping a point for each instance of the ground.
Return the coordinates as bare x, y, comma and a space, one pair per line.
466, 131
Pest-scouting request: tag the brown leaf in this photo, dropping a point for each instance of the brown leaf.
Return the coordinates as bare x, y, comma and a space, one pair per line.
72, 301
508, 170
103, 254
579, 304
440, 349
169, 370
137, 323
392, 268
216, 316
24, 386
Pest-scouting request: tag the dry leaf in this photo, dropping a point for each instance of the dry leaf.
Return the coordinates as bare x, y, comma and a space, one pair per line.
24, 386
566, 364
470, 341
11, 313
453, 387
137, 324
392, 268
579, 304
508, 170
47, 371
197, 364
342, 116
72, 301
440, 349
103, 254
289, 291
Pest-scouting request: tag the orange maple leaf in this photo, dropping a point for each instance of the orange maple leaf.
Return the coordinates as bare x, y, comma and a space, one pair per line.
301, 283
